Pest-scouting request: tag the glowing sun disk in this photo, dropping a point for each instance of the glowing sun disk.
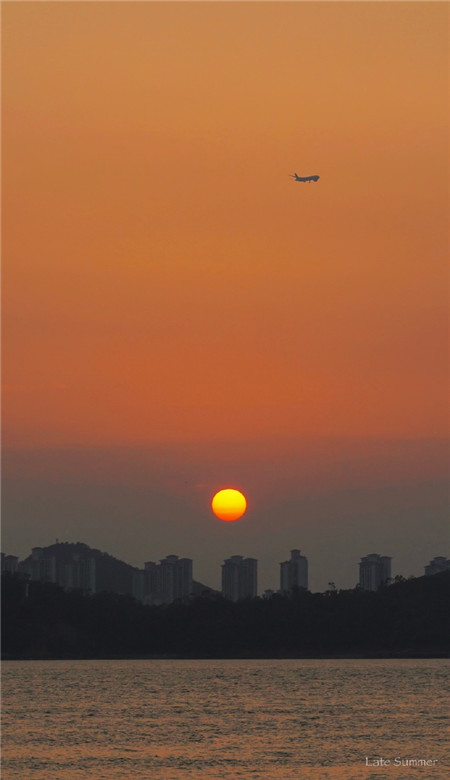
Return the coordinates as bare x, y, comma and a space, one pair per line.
229, 504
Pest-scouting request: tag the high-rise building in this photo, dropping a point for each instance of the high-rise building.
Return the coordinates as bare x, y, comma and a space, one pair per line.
239, 578
87, 572
165, 582
294, 573
78, 566
40, 565
437, 565
9, 563
374, 570
175, 578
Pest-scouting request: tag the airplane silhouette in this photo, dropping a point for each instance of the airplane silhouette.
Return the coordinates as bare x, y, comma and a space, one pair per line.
304, 178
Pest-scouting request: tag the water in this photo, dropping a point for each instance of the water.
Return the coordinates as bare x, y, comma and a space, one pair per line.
265, 720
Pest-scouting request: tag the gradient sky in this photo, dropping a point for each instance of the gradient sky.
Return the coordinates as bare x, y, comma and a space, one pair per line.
180, 316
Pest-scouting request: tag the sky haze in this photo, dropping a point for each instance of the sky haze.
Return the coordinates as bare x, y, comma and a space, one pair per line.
179, 315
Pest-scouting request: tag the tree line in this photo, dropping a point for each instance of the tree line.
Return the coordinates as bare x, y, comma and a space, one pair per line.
408, 618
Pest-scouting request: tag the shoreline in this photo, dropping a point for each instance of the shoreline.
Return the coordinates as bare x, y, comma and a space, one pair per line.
437, 655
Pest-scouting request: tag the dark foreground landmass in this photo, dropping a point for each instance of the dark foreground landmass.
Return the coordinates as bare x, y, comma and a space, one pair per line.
405, 619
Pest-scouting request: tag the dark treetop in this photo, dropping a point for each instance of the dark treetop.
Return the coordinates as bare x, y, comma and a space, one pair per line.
407, 618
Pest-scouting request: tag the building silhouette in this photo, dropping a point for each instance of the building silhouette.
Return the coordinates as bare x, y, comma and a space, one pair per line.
165, 582
374, 570
82, 573
437, 565
239, 578
78, 566
294, 573
41, 565
9, 563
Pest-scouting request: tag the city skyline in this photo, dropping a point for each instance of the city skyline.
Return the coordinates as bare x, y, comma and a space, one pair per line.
75, 565
181, 316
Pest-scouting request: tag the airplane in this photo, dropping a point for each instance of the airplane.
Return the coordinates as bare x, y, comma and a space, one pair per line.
304, 178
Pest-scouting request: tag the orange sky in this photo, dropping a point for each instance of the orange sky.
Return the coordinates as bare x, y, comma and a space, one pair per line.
164, 279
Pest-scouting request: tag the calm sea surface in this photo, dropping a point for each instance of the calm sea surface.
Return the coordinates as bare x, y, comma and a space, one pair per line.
171, 720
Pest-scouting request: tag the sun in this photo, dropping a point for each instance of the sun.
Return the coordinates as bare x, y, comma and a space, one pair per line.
229, 504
